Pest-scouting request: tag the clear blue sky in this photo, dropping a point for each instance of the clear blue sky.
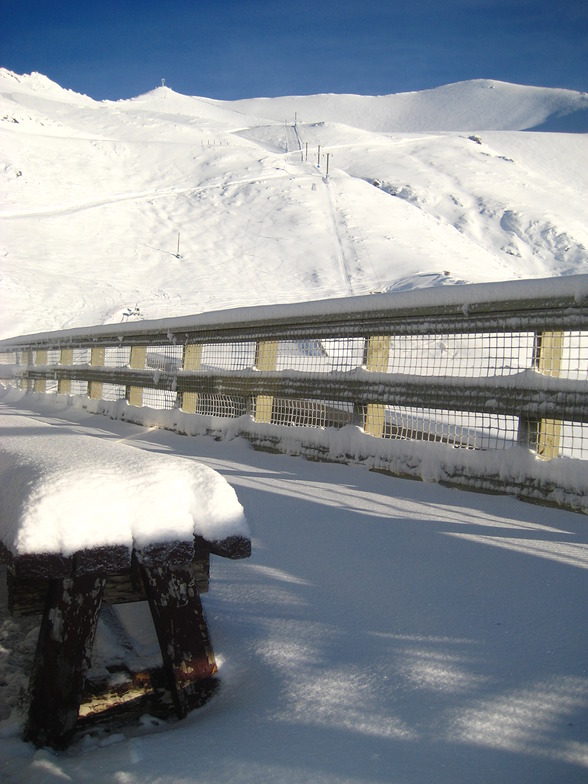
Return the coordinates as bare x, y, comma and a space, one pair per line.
232, 49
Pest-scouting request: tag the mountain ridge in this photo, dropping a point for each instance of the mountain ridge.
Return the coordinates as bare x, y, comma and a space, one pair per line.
168, 205
477, 104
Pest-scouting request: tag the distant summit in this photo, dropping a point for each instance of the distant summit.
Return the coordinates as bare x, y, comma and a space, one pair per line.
476, 105
40, 85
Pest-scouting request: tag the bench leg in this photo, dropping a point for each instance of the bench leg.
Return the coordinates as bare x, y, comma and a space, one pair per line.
179, 621
62, 657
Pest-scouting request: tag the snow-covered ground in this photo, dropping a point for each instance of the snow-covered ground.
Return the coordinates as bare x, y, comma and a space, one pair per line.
46, 480
429, 188
383, 630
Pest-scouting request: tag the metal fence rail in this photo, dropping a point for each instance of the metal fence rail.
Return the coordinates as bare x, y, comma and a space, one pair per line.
487, 367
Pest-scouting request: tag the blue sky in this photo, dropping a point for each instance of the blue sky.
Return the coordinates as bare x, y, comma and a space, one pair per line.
230, 49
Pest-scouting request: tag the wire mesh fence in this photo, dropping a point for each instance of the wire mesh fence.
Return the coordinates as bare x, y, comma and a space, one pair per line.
464, 429
310, 413
485, 377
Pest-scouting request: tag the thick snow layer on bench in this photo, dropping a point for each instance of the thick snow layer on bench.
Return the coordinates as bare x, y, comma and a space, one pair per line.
60, 493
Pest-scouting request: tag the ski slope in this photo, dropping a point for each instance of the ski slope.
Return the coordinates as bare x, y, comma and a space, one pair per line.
433, 188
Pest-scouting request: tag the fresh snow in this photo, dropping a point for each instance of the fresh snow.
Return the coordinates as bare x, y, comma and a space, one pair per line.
62, 495
436, 296
424, 189
383, 630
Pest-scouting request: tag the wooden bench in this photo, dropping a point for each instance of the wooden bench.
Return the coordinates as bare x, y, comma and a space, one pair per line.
150, 560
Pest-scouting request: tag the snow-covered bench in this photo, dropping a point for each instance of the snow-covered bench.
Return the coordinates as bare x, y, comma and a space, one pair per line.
84, 520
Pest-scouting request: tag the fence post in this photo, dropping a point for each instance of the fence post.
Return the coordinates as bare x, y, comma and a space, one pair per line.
192, 361
25, 358
266, 358
377, 355
137, 362
64, 384
97, 357
548, 354
40, 384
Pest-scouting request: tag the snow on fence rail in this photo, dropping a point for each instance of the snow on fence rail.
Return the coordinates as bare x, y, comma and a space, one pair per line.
484, 386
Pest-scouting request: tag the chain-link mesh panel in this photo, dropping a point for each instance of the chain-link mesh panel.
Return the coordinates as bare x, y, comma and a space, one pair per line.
117, 357
320, 356
475, 355
167, 359
344, 354
81, 356
465, 429
309, 413
221, 405
227, 356
113, 391
160, 398
10, 358
79, 388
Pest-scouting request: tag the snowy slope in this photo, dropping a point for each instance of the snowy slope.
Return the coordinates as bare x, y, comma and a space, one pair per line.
479, 104
428, 188
383, 631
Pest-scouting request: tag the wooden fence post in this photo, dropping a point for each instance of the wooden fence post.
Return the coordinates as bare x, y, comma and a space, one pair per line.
64, 384
97, 358
266, 358
26, 358
40, 384
137, 362
377, 355
192, 361
548, 353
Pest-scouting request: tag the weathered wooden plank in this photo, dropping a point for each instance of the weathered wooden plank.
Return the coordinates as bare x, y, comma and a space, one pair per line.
34, 565
115, 558
61, 659
28, 596
234, 547
171, 553
183, 636
56, 565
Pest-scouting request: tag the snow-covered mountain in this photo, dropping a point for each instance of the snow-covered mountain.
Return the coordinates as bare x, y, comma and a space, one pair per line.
168, 204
